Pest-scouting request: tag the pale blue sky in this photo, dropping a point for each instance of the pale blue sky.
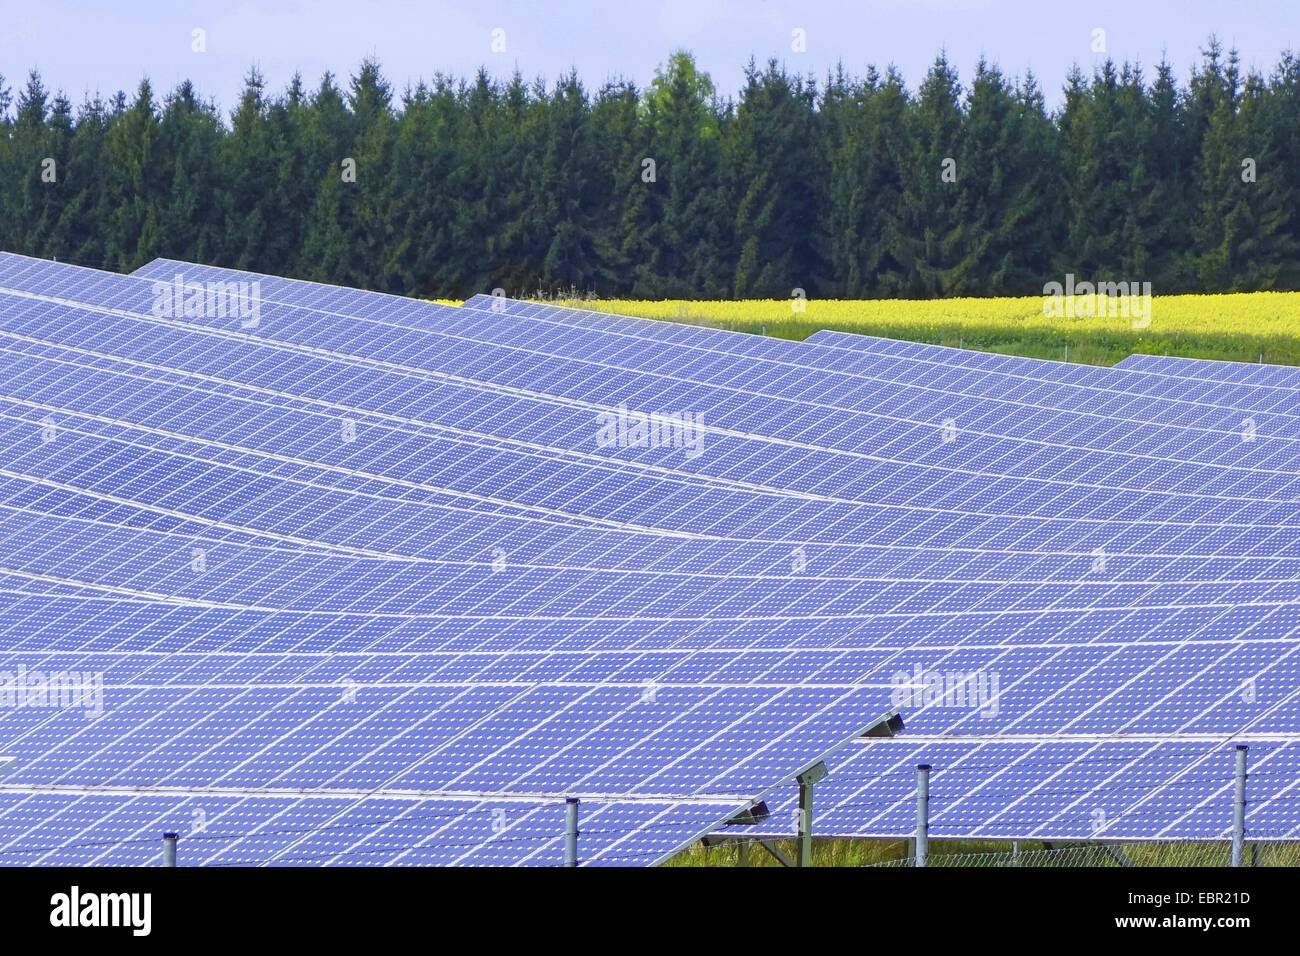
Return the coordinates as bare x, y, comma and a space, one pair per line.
85, 46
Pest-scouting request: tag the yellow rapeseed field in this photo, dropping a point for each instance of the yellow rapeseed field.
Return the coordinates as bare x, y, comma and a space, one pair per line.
1239, 326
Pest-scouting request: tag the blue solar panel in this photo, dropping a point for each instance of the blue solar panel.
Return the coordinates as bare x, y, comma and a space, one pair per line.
1213, 370
1138, 375
525, 612
226, 829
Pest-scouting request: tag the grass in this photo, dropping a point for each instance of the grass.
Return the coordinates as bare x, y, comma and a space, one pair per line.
825, 853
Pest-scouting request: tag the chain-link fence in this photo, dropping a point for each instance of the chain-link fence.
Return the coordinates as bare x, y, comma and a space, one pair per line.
896, 853
1272, 853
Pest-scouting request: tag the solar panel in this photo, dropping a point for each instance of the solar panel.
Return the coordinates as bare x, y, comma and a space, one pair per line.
1224, 433
1235, 505
717, 714
1011, 377
1134, 375
104, 828
1215, 370
970, 582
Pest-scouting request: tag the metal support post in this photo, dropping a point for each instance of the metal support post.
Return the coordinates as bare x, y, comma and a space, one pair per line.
806, 781
1239, 809
922, 814
571, 831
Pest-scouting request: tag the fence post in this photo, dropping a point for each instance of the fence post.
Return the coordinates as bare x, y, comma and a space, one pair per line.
570, 831
169, 849
922, 814
1239, 809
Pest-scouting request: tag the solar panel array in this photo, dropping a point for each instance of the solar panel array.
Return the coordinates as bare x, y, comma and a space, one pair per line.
1098, 817
1171, 785
1023, 788
371, 580
387, 603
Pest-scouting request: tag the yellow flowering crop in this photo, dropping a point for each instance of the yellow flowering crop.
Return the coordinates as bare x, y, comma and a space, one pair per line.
1237, 326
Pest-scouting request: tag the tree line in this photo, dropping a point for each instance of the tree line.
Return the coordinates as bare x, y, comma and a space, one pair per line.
851, 186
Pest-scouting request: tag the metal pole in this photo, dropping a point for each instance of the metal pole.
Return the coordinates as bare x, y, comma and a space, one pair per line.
571, 831
812, 775
804, 855
1239, 809
922, 813
169, 849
